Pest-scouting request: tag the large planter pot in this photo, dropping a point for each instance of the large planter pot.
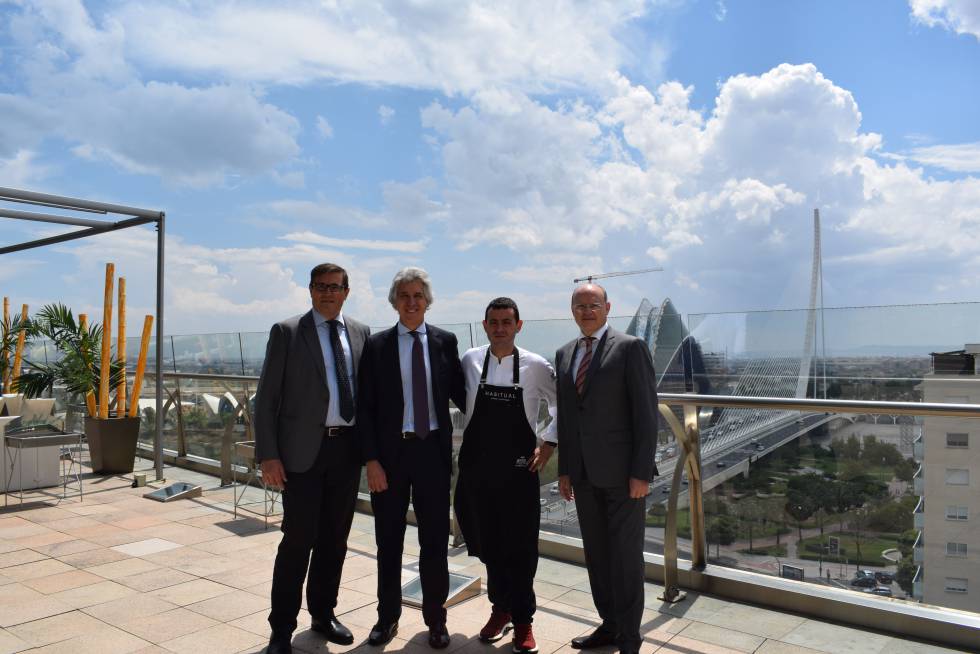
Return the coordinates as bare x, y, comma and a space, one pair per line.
112, 443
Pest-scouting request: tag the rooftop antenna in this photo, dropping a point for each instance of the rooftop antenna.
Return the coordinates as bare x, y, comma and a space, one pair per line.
589, 278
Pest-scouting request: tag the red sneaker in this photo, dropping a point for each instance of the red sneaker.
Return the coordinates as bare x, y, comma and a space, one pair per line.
524, 639
495, 627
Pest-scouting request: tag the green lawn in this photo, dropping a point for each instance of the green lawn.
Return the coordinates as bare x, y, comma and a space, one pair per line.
871, 548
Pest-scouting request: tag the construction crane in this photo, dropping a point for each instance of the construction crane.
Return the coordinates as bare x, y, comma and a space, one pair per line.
623, 273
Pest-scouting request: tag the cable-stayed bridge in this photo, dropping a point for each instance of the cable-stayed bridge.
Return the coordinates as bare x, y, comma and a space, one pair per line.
732, 438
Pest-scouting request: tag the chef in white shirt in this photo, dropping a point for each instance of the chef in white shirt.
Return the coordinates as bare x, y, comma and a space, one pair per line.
498, 490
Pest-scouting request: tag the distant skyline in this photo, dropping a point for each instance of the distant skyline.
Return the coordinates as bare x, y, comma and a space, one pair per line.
507, 147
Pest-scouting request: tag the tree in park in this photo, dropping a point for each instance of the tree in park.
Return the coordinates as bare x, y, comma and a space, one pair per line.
749, 512
859, 529
721, 530
905, 574
800, 507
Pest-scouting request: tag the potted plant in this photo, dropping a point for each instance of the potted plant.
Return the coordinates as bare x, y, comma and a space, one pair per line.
111, 439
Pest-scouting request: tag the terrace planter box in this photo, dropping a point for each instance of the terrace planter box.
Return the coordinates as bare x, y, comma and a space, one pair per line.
112, 444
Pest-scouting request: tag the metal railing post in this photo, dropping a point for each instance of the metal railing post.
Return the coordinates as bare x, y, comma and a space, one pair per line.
672, 591
694, 490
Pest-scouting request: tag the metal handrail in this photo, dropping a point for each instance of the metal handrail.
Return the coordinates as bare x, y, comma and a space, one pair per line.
690, 455
934, 409
687, 434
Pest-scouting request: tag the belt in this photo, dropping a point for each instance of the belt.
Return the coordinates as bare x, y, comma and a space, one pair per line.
411, 435
333, 432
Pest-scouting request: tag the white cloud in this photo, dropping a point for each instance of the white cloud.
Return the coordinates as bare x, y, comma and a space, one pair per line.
294, 179
323, 127
354, 243
960, 157
960, 16
81, 88
213, 289
385, 114
440, 45
21, 170
720, 10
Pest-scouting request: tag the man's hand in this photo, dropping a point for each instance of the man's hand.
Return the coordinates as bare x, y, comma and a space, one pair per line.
639, 488
541, 455
376, 478
565, 487
273, 474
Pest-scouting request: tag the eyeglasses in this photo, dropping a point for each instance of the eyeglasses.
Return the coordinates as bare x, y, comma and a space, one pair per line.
328, 288
582, 308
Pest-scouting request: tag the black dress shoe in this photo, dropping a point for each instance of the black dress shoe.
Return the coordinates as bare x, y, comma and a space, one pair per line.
598, 638
333, 630
280, 644
382, 633
438, 637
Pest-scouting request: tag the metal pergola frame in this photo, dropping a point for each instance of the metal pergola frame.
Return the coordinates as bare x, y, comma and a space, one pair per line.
134, 217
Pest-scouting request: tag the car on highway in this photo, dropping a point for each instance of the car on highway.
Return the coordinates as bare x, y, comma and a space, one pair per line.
554, 488
543, 501
720, 464
884, 577
884, 591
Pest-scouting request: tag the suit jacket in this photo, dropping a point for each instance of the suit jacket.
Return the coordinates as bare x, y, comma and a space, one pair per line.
381, 404
292, 398
609, 434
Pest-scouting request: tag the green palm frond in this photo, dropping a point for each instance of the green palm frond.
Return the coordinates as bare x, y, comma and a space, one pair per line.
79, 367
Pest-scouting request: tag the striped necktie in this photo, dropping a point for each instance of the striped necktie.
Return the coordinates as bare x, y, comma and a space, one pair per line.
583, 366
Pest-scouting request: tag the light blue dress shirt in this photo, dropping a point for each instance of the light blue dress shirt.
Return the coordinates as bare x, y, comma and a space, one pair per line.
323, 333
405, 343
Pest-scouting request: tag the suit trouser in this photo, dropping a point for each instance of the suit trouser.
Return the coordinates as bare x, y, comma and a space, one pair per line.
318, 508
420, 474
613, 527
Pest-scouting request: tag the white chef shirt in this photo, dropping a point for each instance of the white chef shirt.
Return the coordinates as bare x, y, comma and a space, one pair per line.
323, 333
537, 378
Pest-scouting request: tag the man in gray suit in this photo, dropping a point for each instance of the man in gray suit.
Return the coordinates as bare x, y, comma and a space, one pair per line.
607, 429
308, 445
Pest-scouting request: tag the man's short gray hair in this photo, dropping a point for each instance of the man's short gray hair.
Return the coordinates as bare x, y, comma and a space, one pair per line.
406, 276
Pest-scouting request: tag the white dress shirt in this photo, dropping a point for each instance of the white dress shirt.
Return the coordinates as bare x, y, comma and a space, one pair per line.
323, 333
537, 378
580, 348
405, 343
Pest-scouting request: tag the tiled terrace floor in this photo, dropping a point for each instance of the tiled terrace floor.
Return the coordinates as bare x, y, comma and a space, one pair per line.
118, 573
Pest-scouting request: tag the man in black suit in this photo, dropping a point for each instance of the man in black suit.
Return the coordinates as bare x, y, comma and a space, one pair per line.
307, 444
408, 375
607, 429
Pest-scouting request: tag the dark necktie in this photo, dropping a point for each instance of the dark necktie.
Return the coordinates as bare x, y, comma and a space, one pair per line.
420, 390
343, 380
583, 366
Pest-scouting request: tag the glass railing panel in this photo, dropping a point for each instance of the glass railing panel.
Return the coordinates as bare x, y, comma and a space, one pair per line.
826, 502
208, 353
253, 351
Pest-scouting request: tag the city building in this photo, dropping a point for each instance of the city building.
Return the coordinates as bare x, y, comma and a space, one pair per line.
947, 549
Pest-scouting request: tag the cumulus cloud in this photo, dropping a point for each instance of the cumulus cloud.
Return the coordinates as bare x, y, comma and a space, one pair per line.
437, 45
80, 87
21, 169
960, 16
211, 289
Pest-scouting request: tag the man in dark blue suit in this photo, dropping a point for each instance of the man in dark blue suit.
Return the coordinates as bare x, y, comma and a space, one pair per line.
407, 377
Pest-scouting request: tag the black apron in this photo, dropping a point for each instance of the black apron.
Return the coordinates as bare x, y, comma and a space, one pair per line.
497, 496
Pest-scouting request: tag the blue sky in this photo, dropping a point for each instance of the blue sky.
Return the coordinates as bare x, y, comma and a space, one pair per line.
507, 147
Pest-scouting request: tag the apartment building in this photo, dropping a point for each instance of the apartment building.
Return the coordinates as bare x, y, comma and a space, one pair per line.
948, 483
